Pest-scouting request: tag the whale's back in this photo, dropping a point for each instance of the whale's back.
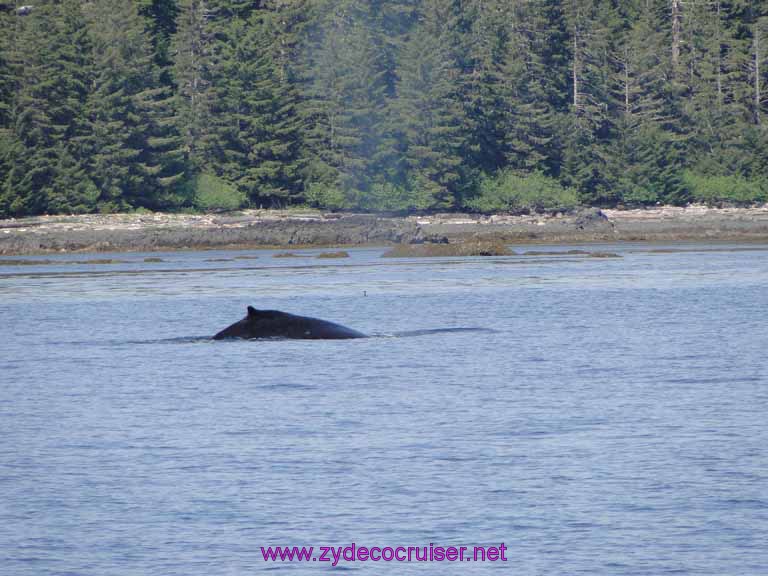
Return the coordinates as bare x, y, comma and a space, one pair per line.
277, 324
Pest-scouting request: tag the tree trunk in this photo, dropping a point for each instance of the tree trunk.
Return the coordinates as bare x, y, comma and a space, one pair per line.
719, 59
627, 110
758, 98
676, 17
576, 72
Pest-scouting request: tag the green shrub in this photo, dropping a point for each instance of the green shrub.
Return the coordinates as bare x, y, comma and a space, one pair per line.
716, 189
385, 196
209, 192
634, 193
73, 196
510, 192
326, 196
111, 207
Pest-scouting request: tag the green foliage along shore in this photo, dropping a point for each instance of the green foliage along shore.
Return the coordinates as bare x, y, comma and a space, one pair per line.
487, 105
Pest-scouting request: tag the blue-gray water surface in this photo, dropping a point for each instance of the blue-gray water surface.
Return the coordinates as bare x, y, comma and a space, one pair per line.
609, 419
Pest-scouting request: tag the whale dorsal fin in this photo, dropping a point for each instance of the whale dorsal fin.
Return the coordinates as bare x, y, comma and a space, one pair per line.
265, 314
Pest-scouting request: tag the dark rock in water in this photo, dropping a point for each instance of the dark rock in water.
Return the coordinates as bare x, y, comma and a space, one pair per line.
469, 248
555, 253
18, 262
276, 324
100, 261
339, 254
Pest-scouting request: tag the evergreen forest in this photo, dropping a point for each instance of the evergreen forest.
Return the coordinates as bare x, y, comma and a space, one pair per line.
381, 105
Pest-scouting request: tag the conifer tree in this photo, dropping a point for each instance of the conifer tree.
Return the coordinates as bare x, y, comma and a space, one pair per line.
594, 26
134, 152
535, 90
344, 98
486, 45
392, 21
7, 92
431, 112
291, 18
713, 116
161, 21
646, 153
7, 78
192, 50
43, 149
255, 121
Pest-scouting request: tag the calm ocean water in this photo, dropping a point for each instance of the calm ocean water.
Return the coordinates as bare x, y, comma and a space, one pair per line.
612, 420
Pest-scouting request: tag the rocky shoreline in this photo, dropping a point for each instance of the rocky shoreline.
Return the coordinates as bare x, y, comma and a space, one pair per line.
267, 228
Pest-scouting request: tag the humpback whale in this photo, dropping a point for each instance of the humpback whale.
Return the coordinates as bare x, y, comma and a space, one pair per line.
276, 324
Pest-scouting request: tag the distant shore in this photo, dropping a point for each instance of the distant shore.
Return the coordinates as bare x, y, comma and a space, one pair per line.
294, 228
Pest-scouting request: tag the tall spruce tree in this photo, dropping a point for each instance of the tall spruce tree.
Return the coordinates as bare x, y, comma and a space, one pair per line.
431, 111
161, 21
535, 88
43, 146
7, 77
255, 120
391, 21
594, 26
192, 50
647, 156
135, 157
7, 93
486, 42
748, 65
344, 98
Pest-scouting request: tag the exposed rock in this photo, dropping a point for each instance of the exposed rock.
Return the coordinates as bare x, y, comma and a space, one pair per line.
592, 218
286, 255
339, 254
477, 248
553, 253
262, 228
604, 255
17, 262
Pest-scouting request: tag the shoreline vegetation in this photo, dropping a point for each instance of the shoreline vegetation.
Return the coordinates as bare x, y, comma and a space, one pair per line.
402, 106
438, 234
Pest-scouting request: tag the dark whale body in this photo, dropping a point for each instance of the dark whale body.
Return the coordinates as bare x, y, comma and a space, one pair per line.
276, 324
